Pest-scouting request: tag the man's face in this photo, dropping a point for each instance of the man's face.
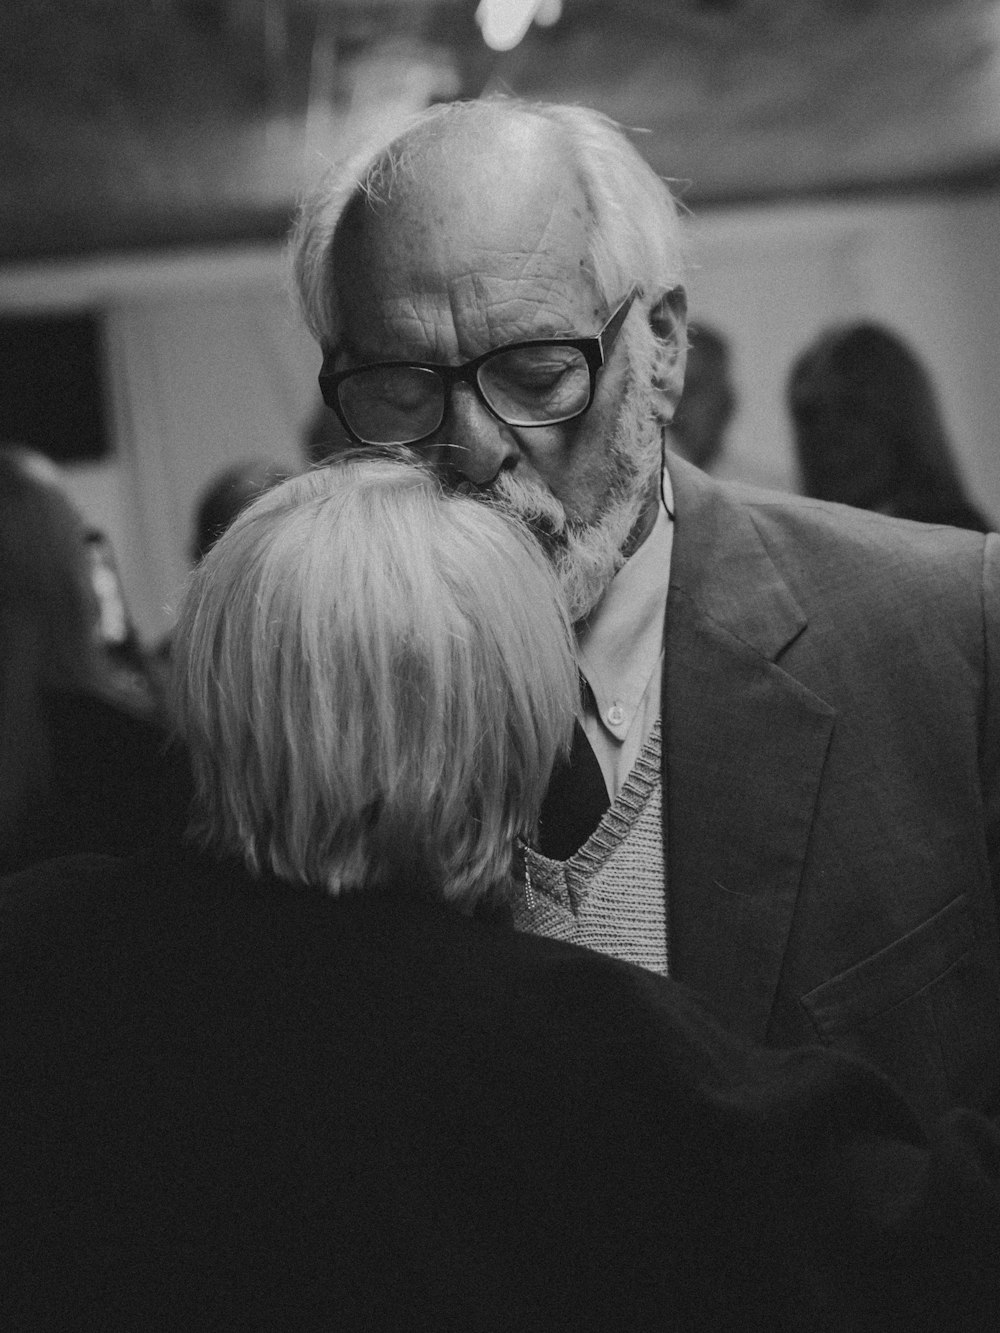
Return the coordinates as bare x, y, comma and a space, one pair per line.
466, 259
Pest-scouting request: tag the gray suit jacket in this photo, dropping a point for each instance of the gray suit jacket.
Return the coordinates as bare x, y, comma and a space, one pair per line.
831, 712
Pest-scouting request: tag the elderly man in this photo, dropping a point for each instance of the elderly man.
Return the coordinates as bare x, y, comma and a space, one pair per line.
792, 706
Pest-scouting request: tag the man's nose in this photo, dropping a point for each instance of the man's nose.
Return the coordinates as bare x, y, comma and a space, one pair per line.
472, 442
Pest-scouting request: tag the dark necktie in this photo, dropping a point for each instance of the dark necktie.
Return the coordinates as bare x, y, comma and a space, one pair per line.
574, 803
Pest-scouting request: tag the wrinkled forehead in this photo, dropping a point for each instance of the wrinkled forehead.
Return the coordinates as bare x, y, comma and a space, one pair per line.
496, 201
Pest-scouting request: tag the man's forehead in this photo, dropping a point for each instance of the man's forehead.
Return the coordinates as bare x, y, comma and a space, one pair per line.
521, 151
462, 200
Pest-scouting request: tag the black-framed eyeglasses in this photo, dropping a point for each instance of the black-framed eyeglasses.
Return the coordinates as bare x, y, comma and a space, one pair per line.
541, 382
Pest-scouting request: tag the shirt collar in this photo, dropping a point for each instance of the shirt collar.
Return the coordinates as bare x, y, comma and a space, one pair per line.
620, 645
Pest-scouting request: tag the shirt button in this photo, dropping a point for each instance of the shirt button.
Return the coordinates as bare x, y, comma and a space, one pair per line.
616, 715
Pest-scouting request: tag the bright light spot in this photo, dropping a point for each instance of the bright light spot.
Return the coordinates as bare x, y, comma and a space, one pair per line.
504, 22
548, 12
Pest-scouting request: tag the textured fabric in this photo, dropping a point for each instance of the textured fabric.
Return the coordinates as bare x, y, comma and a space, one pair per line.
831, 714
609, 894
238, 1105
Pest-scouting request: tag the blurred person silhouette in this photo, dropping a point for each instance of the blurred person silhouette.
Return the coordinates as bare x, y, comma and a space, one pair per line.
131, 667
303, 1083
869, 431
227, 494
82, 759
708, 400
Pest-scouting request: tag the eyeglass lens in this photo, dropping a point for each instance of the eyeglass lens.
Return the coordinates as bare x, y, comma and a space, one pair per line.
535, 385
392, 404
525, 386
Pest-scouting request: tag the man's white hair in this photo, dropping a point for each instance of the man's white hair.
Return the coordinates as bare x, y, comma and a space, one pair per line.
373, 677
633, 224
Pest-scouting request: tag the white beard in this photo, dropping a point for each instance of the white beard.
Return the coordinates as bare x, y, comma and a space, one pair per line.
587, 555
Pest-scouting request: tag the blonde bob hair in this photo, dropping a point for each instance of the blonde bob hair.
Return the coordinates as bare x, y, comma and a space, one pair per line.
373, 677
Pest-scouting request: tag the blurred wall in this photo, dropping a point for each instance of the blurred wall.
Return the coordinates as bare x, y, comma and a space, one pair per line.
207, 362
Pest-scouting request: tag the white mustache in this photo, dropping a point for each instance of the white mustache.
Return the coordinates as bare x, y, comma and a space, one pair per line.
530, 502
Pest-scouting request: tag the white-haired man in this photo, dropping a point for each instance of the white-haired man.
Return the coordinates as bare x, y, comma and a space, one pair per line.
799, 743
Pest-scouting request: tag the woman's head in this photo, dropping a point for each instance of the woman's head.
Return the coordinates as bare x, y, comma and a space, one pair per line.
868, 428
373, 678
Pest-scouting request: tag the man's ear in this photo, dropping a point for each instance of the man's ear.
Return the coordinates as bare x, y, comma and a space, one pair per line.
668, 320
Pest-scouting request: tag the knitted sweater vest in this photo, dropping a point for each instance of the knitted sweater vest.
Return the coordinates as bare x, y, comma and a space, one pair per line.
609, 895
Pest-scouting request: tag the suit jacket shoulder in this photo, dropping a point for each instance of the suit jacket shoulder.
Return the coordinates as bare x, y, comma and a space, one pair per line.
830, 707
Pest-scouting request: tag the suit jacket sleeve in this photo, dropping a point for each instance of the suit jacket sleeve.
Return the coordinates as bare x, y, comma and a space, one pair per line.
991, 706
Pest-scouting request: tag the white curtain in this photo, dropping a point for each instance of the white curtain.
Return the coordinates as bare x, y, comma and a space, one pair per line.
198, 380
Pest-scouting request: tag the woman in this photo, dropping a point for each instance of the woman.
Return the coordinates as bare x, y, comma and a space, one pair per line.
869, 431
316, 1080
82, 765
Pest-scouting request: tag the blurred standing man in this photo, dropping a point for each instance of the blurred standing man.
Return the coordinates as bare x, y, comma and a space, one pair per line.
815, 843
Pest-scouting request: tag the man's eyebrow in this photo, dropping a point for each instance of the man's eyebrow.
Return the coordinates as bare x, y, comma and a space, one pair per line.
550, 329
344, 348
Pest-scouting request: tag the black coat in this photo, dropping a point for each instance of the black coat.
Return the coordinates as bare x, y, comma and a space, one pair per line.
238, 1104
116, 785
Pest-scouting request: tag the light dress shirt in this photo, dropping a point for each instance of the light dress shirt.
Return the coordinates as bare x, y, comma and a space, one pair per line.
620, 652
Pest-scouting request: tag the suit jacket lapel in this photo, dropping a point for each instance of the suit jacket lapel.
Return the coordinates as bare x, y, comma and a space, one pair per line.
744, 747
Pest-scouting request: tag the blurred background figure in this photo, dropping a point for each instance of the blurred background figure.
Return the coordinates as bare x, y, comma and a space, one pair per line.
869, 432
698, 430
83, 755
127, 661
227, 494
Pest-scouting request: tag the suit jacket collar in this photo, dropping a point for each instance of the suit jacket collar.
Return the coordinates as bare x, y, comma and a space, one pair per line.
744, 748
721, 565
